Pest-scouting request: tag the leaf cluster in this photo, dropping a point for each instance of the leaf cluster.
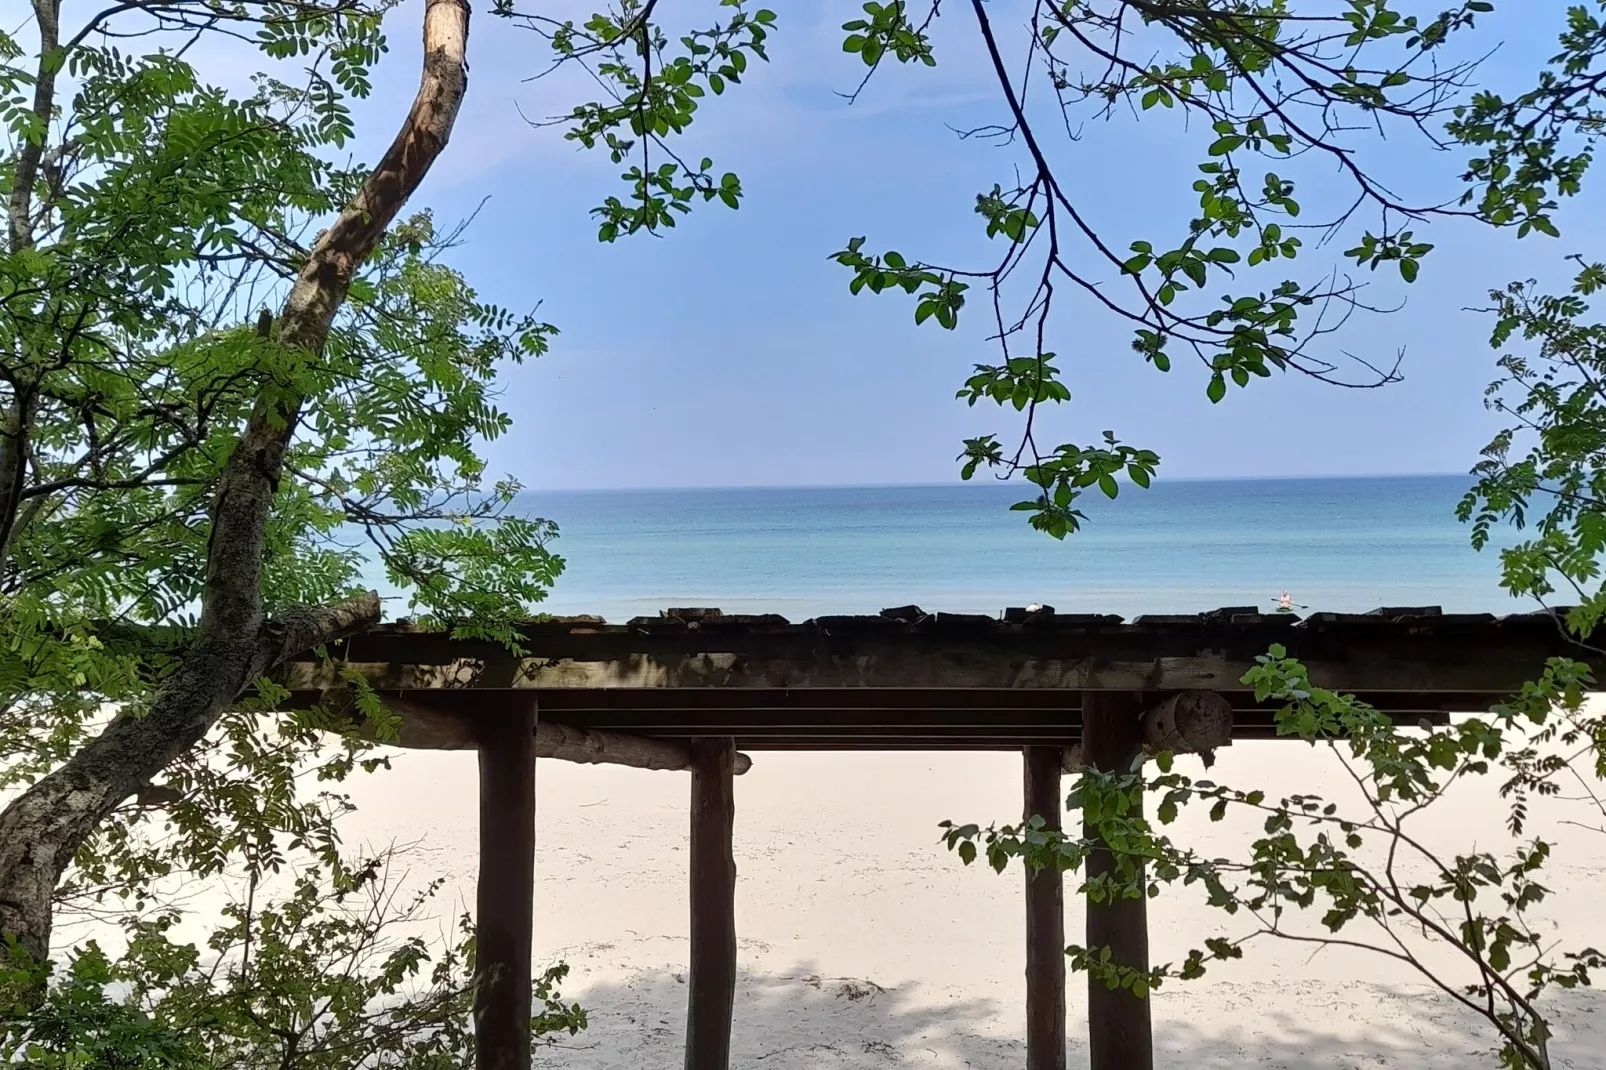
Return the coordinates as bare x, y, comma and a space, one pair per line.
330, 973
1374, 882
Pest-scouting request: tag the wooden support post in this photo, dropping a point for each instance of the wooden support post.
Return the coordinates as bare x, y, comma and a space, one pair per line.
505, 898
711, 983
1045, 921
1119, 1033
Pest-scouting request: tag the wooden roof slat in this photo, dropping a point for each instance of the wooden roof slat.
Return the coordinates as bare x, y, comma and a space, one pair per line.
946, 701
931, 678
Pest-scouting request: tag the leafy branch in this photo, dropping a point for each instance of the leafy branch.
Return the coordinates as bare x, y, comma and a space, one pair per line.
1376, 884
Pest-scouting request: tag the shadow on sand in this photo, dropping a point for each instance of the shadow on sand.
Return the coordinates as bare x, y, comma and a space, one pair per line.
802, 1020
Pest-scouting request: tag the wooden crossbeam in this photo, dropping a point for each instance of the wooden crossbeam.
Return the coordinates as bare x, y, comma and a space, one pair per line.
1406, 651
432, 721
649, 731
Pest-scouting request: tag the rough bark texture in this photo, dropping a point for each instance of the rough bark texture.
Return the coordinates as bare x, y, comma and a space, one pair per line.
16, 432
711, 979
42, 828
235, 644
1045, 920
47, 16
504, 902
17, 419
426, 728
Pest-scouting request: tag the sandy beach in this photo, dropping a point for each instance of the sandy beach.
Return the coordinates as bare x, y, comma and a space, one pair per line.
864, 943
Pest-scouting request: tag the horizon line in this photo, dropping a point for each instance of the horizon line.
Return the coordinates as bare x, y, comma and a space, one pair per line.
955, 484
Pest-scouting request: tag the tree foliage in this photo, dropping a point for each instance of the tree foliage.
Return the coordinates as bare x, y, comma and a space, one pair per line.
150, 401
332, 974
1360, 864
1542, 471
1363, 864
1261, 89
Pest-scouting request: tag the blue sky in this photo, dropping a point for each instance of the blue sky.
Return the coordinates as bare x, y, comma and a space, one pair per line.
731, 353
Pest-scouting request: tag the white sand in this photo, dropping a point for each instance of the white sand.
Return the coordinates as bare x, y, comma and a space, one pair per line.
864, 943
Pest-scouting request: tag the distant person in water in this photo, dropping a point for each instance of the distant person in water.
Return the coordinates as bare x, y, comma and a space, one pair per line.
1285, 604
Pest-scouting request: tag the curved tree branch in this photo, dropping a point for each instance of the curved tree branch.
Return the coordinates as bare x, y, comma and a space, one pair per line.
235, 645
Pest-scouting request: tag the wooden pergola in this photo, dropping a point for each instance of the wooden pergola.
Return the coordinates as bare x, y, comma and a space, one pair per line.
695, 689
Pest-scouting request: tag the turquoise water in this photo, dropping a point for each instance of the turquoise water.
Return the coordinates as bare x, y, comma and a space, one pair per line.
1337, 544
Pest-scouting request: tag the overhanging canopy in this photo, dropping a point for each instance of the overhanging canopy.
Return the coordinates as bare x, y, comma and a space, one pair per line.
910, 680
685, 689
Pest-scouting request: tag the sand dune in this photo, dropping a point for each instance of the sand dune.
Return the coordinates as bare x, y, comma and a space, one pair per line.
865, 944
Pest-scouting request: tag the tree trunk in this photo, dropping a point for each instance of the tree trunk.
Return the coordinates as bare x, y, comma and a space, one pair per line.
42, 829
16, 423
47, 17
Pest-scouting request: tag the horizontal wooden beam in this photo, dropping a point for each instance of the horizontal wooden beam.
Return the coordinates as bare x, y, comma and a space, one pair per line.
857, 703
712, 711
1400, 653
725, 722
754, 744
661, 738
940, 669
426, 726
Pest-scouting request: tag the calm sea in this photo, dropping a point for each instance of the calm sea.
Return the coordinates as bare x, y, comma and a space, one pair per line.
1183, 546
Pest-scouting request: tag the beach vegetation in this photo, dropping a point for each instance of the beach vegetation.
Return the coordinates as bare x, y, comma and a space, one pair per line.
1368, 870
237, 379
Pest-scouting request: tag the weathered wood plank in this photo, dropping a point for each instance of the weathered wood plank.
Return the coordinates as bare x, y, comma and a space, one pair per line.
427, 726
1500, 671
711, 979
1045, 921
921, 704
505, 897
1403, 652
1120, 1035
